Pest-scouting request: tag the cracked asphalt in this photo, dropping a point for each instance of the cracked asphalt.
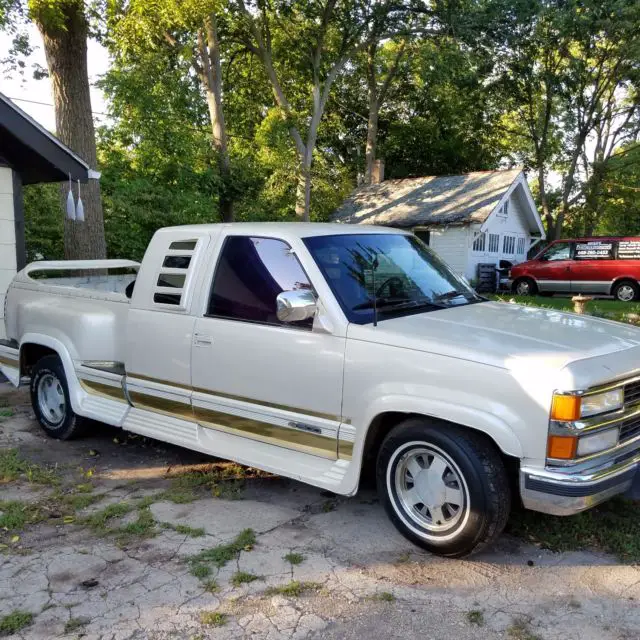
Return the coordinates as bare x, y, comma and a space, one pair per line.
358, 578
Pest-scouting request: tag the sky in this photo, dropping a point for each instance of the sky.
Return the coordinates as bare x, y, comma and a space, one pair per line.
26, 91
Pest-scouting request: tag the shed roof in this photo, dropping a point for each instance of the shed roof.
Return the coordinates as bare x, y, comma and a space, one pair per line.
431, 200
33, 152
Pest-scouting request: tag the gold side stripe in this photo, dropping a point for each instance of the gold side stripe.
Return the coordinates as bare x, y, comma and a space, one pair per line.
9, 362
172, 408
345, 449
229, 396
324, 446
104, 390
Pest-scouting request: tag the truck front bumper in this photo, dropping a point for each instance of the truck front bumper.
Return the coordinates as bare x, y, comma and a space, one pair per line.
563, 491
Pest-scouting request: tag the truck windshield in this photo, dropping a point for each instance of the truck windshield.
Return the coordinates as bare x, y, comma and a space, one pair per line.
403, 273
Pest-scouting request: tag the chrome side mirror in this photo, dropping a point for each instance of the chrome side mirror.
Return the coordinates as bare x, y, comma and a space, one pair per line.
294, 306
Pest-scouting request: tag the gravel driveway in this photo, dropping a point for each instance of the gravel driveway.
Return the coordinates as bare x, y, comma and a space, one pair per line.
115, 537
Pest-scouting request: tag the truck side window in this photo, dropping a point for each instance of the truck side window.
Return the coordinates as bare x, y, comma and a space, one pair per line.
251, 272
558, 251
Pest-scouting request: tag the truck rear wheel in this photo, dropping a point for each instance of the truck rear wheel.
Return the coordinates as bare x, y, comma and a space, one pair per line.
445, 489
50, 400
626, 291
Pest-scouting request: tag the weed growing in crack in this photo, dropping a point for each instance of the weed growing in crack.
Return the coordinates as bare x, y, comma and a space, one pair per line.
475, 616
185, 529
13, 467
15, 514
220, 555
293, 589
73, 624
14, 622
520, 630
242, 577
213, 618
200, 570
383, 596
6, 412
211, 586
294, 558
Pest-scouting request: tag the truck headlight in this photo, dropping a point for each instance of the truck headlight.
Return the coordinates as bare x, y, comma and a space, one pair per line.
595, 442
568, 408
601, 402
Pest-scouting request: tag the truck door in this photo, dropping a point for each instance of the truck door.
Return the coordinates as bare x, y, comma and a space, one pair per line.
254, 376
593, 267
160, 329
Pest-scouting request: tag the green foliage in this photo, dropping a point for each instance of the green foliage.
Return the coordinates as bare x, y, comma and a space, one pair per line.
220, 555
293, 589
243, 577
14, 622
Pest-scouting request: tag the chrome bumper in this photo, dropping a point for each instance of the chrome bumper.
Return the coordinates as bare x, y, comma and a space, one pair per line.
563, 491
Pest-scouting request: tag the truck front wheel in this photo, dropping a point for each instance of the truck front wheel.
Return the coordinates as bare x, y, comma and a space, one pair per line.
50, 400
445, 488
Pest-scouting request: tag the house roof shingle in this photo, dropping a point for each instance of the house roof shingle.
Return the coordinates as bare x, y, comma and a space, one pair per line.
431, 200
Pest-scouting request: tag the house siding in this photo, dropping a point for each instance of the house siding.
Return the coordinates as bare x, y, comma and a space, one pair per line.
513, 225
452, 245
8, 263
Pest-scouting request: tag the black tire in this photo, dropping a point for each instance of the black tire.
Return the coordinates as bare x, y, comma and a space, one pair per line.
626, 291
482, 485
59, 421
524, 283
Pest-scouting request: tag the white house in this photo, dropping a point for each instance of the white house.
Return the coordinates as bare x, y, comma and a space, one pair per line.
469, 219
29, 154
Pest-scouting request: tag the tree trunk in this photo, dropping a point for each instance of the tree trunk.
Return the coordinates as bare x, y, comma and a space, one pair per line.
372, 139
303, 191
66, 53
212, 78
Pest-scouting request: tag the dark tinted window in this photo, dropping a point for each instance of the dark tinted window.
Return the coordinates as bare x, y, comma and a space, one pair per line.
183, 245
594, 250
177, 262
250, 274
173, 280
166, 298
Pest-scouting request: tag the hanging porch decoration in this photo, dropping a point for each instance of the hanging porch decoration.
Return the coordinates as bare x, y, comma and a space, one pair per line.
75, 211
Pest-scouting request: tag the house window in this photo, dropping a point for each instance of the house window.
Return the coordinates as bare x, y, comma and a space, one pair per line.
503, 211
494, 243
508, 245
479, 240
521, 246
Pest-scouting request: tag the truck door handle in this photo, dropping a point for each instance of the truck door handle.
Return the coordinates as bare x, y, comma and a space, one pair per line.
202, 340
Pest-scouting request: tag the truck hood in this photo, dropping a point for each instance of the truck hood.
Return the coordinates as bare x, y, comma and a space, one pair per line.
522, 339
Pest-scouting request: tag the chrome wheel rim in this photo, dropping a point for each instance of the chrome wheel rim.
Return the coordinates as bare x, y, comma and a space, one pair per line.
626, 293
51, 400
431, 489
523, 289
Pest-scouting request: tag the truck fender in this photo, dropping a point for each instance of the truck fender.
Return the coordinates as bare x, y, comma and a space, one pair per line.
75, 390
489, 423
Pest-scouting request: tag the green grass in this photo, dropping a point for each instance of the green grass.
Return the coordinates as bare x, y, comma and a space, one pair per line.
213, 618
475, 617
383, 596
185, 529
223, 553
612, 527
13, 466
242, 577
294, 558
98, 521
611, 309
143, 527
6, 412
14, 622
16, 514
293, 589
80, 501
211, 586
200, 570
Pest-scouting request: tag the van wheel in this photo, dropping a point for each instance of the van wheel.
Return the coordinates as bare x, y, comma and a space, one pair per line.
525, 287
443, 487
50, 400
626, 291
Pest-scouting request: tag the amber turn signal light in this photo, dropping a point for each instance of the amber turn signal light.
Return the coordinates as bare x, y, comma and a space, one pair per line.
562, 447
565, 408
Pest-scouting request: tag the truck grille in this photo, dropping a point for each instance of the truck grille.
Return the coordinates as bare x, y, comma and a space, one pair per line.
632, 392
629, 428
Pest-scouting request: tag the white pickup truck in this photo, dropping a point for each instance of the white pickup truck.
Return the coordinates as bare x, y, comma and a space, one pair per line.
318, 351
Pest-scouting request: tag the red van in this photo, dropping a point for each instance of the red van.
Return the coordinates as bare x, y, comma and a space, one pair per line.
606, 266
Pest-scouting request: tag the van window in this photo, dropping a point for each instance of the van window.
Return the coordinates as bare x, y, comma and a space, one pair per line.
594, 250
629, 250
558, 251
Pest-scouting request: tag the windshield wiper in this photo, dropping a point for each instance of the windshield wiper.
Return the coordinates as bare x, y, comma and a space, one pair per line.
398, 304
453, 294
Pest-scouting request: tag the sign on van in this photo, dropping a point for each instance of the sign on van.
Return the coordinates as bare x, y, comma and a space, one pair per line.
595, 250
629, 250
